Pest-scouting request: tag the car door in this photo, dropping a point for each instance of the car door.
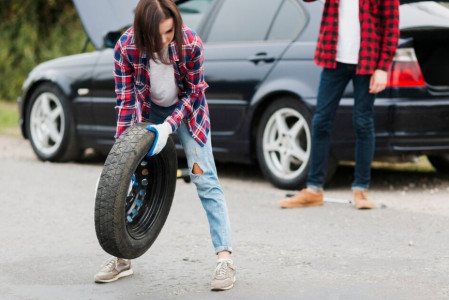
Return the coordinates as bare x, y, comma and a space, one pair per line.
239, 54
103, 98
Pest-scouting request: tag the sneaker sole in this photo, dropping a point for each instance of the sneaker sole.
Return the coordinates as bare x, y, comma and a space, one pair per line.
120, 275
362, 207
225, 288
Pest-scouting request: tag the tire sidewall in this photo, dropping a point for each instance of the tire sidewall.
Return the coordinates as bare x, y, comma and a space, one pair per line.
120, 165
440, 162
130, 247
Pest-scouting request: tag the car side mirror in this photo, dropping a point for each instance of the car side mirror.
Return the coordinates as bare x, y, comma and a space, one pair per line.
111, 38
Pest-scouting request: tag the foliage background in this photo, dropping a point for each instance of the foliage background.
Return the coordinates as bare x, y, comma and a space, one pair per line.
33, 31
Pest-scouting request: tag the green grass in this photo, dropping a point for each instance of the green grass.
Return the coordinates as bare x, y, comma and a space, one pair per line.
422, 164
9, 119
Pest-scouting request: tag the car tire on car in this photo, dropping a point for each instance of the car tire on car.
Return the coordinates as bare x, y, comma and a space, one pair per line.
284, 142
440, 162
50, 126
134, 193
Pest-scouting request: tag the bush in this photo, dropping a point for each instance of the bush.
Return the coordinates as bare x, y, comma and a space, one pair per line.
32, 32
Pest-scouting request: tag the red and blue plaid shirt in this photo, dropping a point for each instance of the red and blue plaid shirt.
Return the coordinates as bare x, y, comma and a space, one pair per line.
132, 85
379, 34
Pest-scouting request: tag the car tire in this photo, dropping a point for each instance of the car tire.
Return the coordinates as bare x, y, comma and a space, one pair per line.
134, 193
284, 141
50, 126
440, 162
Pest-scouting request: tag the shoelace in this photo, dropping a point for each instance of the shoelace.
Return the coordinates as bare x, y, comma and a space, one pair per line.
221, 268
109, 263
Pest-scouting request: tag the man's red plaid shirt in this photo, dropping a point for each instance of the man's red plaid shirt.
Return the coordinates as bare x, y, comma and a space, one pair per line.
379, 34
132, 85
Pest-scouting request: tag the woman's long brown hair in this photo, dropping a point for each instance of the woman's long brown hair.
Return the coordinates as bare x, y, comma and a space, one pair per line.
148, 15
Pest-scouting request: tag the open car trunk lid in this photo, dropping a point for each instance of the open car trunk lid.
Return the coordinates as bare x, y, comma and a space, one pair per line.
100, 17
427, 24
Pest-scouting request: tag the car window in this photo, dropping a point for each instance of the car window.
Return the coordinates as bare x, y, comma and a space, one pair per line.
193, 11
243, 20
288, 23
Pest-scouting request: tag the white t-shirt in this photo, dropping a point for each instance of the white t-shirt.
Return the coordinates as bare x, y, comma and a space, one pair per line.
164, 90
348, 44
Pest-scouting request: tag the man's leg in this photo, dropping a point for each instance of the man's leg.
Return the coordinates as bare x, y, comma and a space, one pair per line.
363, 122
332, 85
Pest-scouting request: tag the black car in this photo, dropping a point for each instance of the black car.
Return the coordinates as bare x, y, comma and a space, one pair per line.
263, 88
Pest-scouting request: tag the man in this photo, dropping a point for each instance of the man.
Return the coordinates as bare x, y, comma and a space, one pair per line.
357, 41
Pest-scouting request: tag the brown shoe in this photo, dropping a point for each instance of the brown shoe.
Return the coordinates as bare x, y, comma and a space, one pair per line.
361, 200
303, 199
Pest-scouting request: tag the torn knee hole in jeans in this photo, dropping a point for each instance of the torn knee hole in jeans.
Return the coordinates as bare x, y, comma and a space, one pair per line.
197, 169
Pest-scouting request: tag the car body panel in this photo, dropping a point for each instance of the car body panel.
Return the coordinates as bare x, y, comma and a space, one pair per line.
423, 15
241, 87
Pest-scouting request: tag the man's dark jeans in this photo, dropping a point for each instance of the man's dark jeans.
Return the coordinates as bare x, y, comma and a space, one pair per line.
332, 85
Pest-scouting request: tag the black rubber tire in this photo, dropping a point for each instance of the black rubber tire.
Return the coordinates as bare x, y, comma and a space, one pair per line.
67, 148
296, 111
115, 193
440, 162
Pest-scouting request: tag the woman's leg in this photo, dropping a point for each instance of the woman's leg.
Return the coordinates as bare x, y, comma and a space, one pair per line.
203, 173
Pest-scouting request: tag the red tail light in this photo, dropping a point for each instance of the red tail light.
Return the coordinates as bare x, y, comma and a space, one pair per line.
405, 70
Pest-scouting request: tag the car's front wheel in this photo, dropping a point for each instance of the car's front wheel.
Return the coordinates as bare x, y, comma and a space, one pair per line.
50, 126
284, 142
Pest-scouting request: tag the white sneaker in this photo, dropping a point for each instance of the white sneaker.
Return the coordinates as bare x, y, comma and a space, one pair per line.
113, 269
224, 276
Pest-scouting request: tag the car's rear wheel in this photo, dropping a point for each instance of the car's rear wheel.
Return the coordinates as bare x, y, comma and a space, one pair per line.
284, 143
50, 125
440, 162
134, 193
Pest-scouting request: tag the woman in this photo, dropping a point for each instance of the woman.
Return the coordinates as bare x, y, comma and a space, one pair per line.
158, 71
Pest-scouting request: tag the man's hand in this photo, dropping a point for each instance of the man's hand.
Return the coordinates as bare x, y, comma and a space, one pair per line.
162, 132
378, 81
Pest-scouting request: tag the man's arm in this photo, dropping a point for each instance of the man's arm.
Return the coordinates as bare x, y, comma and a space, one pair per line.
389, 40
389, 10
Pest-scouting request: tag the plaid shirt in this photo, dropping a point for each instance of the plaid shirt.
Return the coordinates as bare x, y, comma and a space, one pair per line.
379, 34
132, 85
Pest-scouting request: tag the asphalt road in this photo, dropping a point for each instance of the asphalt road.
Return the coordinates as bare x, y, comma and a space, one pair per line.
399, 250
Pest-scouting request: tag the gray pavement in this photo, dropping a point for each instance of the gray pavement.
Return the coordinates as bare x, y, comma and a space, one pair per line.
399, 250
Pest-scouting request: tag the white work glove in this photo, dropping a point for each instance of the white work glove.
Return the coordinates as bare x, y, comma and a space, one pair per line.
162, 132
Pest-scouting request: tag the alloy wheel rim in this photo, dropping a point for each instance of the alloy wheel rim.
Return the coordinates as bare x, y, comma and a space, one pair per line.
286, 143
47, 123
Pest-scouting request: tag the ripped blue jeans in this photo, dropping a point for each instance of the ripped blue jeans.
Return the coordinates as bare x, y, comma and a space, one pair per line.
207, 184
